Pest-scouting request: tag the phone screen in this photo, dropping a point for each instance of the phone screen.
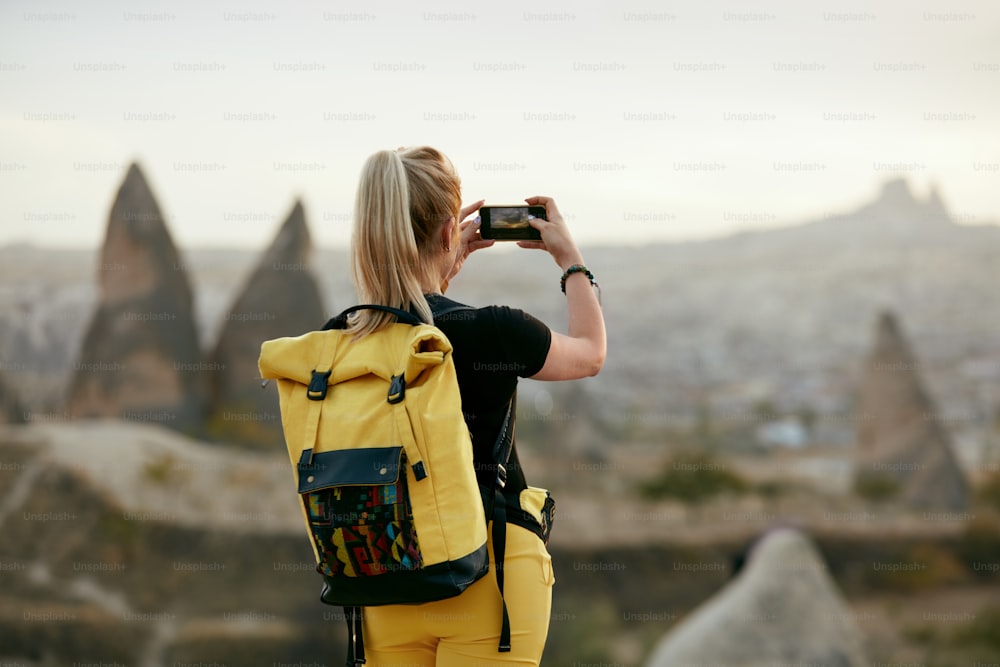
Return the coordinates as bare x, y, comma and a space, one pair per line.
509, 223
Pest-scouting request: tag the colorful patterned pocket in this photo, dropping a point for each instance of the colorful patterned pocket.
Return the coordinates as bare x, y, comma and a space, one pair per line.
360, 528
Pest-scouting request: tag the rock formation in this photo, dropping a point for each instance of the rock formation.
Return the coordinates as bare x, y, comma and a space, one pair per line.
782, 608
897, 210
902, 446
281, 298
140, 359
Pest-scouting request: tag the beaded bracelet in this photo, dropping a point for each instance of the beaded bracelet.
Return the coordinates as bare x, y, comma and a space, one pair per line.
580, 268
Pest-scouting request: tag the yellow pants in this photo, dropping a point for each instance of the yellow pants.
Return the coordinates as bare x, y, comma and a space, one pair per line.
464, 631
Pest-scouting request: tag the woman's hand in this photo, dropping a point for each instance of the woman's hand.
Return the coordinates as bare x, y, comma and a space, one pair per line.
581, 350
469, 239
556, 238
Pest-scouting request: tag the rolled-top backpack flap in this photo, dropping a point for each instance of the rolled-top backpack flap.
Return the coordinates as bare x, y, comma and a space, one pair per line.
298, 364
293, 362
426, 348
292, 358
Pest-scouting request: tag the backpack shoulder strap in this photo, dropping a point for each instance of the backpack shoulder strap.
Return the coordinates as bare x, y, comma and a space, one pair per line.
505, 439
340, 321
452, 309
501, 457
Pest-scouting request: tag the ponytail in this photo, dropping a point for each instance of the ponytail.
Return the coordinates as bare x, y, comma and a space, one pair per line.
403, 199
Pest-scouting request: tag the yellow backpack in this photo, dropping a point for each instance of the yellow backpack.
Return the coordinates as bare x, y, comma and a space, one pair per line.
383, 464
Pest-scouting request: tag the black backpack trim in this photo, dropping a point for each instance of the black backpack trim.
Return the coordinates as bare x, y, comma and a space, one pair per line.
433, 581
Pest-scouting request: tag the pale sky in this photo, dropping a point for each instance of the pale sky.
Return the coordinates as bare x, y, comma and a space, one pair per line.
646, 121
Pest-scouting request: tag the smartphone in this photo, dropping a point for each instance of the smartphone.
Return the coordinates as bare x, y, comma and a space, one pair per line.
510, 223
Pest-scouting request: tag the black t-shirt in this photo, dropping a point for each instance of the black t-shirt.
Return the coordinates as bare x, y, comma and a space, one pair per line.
493, 347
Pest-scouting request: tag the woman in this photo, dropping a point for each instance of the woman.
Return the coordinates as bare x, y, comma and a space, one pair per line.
409, 241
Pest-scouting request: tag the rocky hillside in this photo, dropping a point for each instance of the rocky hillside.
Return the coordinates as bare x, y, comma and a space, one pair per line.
131, 544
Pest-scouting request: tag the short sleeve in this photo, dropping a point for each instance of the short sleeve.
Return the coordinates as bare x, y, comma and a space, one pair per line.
524, 340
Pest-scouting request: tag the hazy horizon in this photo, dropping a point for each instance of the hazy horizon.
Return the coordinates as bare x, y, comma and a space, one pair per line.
344, 244
647, 123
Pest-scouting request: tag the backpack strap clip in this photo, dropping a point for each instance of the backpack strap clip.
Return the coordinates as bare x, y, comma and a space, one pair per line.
318, 385
316, 391
501, 475
397, 389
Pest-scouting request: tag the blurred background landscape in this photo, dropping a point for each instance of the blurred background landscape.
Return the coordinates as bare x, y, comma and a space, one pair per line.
839, 376
791, 455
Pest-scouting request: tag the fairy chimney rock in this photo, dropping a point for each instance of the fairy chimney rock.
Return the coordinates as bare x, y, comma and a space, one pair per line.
782, 608
281, 298
902, 444
140, 359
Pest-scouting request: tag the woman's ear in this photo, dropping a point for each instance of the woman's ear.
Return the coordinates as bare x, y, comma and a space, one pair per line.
448, 234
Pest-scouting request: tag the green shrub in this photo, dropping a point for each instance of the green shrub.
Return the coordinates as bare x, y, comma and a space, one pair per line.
979, 547
983, 630
876, 488
773, 489
989, 492
921, 634
921, 568
163, 470
692, 477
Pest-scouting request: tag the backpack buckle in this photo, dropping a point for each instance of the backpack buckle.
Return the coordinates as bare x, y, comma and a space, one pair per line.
317, 386
397, 389
501, 475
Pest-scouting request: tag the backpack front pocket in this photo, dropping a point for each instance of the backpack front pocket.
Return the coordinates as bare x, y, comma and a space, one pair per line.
359, 512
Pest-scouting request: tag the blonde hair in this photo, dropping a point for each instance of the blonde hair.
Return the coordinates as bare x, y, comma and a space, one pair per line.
403, 198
